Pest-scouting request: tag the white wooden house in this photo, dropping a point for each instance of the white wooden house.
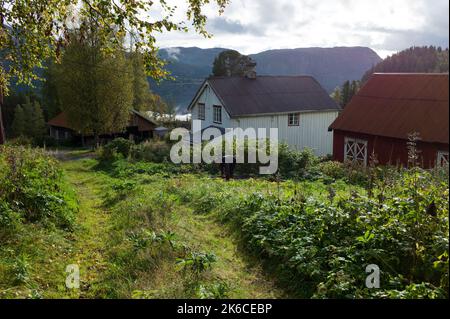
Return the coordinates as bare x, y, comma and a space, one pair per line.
297, 105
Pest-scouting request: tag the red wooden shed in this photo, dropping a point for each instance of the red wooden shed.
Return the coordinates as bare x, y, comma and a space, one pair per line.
387, 109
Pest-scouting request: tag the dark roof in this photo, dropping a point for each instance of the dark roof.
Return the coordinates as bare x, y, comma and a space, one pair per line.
270, 94
60, 120
395, 105
144, 116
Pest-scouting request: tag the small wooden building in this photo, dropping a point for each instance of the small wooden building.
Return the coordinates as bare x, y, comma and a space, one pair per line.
383, 114
140, 127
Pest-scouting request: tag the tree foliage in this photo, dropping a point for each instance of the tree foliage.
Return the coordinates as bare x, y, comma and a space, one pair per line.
231, 63
343, 95
142, 97
29, 120
33, 30
49, 91
413, 60
18, 124
95, 89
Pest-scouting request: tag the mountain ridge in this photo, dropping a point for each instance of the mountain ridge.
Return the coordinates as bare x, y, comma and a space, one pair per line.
329, 66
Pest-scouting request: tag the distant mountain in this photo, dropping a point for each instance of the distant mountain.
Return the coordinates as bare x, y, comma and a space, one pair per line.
330, 66
190, 67
413, 60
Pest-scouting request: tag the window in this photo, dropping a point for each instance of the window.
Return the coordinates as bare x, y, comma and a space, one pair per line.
442, 158
355, 151
201, 111
217, 114
293, 119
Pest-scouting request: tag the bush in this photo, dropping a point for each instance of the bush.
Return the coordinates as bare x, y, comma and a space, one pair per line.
21, 141
151, 151
321, 249
32, 189
332, 169
296, 164
116, 149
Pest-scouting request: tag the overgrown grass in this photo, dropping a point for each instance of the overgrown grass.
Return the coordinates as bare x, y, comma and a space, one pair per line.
154, 245
158, 230
37, 219
316, 237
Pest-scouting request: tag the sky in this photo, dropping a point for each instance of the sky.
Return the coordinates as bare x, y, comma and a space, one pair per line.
252, 26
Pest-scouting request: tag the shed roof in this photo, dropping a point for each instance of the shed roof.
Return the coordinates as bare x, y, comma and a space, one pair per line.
60, 120
395, 105
242, 96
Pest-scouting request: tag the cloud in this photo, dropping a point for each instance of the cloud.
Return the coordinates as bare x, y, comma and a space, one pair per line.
252, 26
172, 53
221, 25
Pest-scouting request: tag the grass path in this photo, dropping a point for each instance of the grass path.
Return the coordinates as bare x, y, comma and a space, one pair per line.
245, 277
91, 235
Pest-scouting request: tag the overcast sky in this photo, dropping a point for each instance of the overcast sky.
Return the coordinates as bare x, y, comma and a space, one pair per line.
387, 26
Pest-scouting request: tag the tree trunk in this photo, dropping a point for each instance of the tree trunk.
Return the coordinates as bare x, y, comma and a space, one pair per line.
2, 130
96, 140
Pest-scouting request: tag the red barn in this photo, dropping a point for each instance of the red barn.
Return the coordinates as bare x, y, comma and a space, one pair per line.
387, 109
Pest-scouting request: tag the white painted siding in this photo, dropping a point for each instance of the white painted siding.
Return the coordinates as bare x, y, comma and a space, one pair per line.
210, 99
312, 131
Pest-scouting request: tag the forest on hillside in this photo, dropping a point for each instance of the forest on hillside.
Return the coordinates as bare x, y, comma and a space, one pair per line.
427, 59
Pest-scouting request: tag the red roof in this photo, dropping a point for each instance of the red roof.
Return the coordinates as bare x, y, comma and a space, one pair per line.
395, 105
59, 120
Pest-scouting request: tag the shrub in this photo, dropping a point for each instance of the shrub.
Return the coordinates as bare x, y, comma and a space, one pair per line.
322, 249
151, 151
32, 189
332, 169
197, 262
115, 149
21, 141
296, 164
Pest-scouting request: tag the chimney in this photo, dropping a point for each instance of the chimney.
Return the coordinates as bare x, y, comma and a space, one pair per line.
250, 72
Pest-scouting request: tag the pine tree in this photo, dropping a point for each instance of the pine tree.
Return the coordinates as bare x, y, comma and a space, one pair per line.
18, 124
38, 121
28, 110
345, 94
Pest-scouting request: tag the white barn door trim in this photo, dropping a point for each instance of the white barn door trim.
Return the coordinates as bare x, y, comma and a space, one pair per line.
442, 158
355, 150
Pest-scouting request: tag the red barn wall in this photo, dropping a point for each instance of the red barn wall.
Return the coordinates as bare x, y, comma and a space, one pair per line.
388, 150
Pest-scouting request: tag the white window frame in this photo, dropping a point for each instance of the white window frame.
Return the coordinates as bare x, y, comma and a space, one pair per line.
442, 158
294, 119
355, 150
201, 111
217, 114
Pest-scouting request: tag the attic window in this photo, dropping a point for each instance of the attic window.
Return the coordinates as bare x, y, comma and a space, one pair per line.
217, 114
442, 159
293, 119
355, 151
201, 111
